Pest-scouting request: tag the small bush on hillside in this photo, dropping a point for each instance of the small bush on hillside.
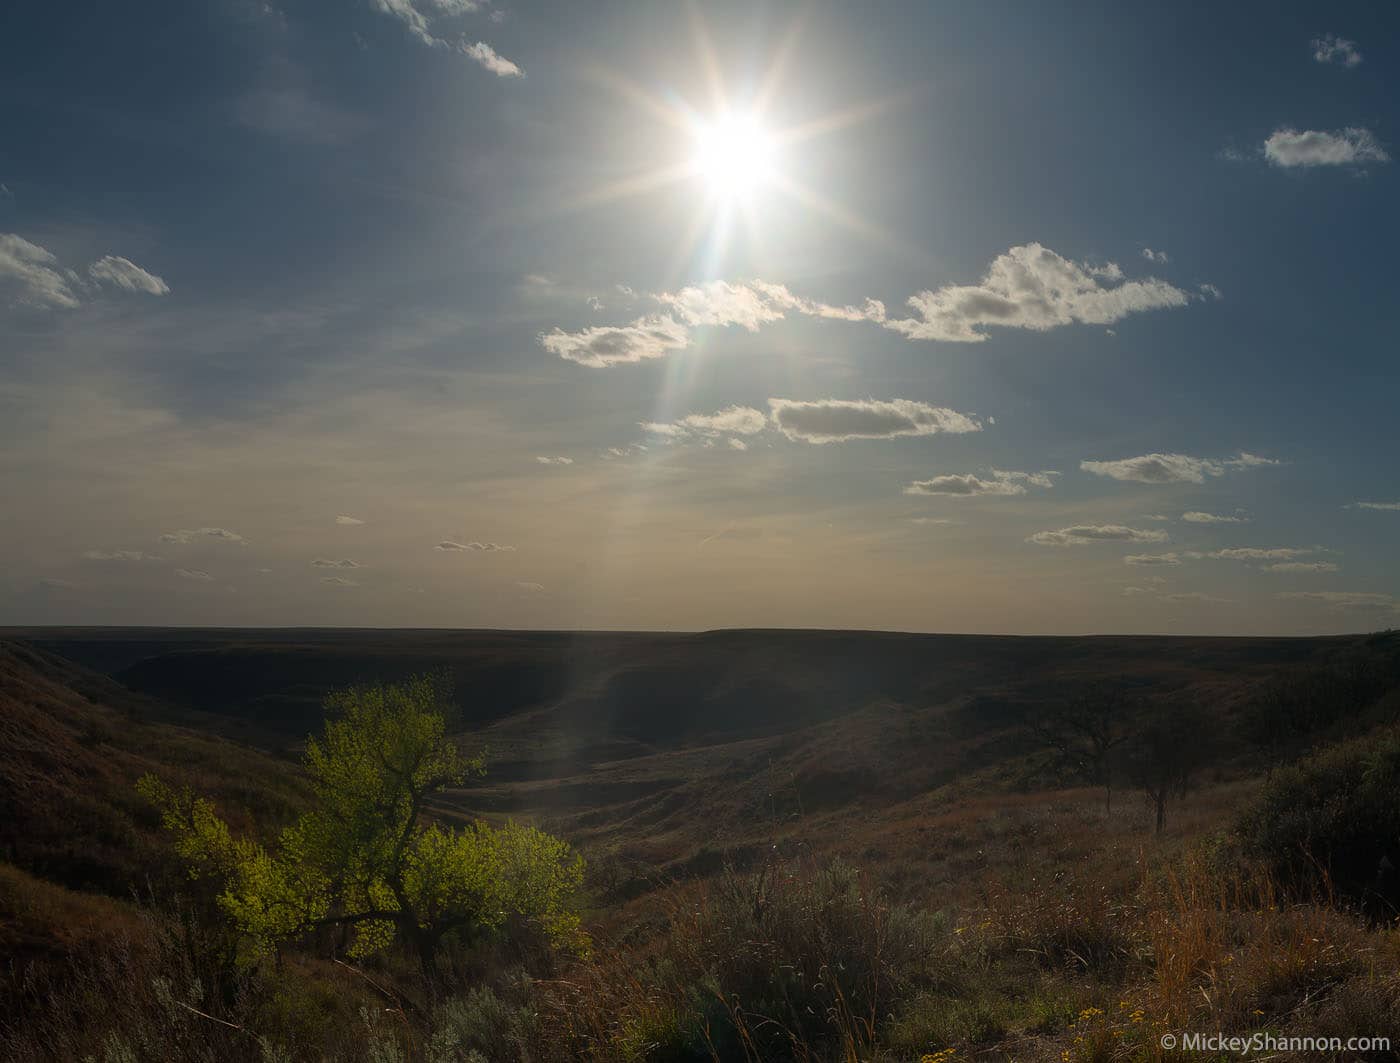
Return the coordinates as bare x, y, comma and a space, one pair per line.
1332, 822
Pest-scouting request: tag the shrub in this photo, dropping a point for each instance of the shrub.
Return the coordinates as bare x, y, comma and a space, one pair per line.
1332, 822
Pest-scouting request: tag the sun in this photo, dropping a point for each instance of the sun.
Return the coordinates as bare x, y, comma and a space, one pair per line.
734, 155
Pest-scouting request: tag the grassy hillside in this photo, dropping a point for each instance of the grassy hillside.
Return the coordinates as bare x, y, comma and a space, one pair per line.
876, 816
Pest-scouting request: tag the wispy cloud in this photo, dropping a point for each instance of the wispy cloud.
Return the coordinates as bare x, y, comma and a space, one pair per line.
1172, 468
1195, 516
1312, 147
421, 26
837, 420
344, 562
339, 581
124, 273
40, 280
191, 535
605, 346
348, 521
1389, 506
735, 420
118, 555
1086, 534
1000, 482
197, 574
449, 546
557, 459
1152, 560
1361, 601
1301, 567
1333, 49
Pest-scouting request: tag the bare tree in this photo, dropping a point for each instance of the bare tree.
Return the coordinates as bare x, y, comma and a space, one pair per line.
1173, 744
1086, 731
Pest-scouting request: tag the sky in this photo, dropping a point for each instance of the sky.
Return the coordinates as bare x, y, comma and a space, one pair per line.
938, 317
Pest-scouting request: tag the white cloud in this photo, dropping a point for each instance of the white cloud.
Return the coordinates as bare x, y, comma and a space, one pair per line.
194, 573
1001, 483
1160, 257
449, 545
743, 420
836, 420
1301, 566
190, 535
339, 581
1029, 287
124, 273
486, 56
1195, 516
348, 521
737, 444
1171, 468
421, 27
1311, 147
1389, 506
1333, 49
933, 520
604, 346
529, 587
35, 272
1195, 596
1084, 534
544, 459
344, 562
1152, 559
1032, 287
1345, 600
118, 555
1211, 290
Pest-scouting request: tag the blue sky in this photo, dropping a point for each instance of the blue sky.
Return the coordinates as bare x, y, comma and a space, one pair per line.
931, 317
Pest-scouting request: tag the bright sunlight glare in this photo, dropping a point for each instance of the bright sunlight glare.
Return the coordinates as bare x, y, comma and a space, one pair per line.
734, 154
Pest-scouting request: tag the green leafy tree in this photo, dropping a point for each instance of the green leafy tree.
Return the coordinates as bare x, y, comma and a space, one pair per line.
364, 857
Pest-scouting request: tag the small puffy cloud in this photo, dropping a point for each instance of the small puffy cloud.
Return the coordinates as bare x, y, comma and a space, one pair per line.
349, 522
124, 273
1312, 147
1301, 567
1171, 468
1000, 483
483, 54
601, 347
1032, 287
344, 562
1160, 257
737, 444
1152, 560
836, 420
449, 546
1210, 291
191, 535
1364, 601
197, 574
1388, 506
1085, 534
557, 459
118, 555
35, 274
528, 587
339, 581
1195, 516
1333, 49
743, 420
